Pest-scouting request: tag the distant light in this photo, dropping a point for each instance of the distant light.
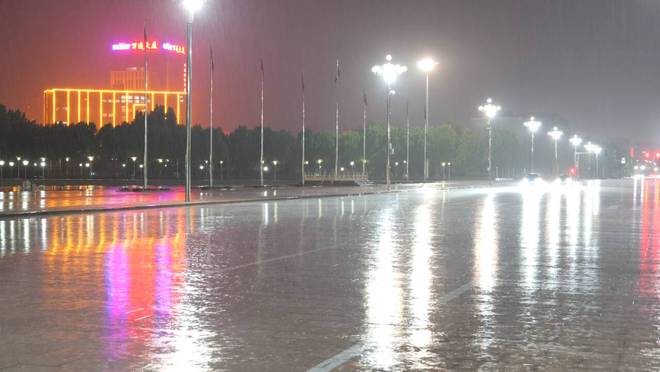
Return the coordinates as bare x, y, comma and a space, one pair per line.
575, 140
11, 163
43, 164
490, 109
341, 169
388, 71
426, 64
532, 124
25, 163
192, 6
275, 162
2, 163
555, 133
266, 168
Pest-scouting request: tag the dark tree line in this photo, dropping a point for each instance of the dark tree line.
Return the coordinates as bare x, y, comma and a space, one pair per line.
67, 149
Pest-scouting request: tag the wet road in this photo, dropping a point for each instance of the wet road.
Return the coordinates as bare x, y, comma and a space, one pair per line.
517, 278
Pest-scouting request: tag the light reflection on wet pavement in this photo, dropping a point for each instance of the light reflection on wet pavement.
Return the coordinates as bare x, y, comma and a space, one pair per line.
426, 279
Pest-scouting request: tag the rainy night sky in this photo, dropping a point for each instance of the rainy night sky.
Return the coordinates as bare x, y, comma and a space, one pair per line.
595, 63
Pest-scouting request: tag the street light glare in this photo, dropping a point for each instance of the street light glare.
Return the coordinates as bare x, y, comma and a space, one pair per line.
426, 64
532, 124
490, 109
192, 6
389, 71
555, 133
575, 140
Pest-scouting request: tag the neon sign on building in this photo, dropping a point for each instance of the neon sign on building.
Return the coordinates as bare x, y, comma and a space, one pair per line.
149, 45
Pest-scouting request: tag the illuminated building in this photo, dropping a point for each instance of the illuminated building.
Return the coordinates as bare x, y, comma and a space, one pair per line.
126, 94
106, 106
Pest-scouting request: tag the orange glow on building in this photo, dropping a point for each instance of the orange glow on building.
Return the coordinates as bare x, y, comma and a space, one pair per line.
120, 108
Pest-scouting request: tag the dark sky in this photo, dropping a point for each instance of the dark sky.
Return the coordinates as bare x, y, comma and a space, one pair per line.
594, 62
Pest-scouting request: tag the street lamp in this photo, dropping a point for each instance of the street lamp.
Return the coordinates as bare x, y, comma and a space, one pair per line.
192, 6
533, 125
352, 164
11, 165
2, 167
390, 73
575, 141
18, 167
444, 164
222, 163
449, 171
134, 158
556, 134
25, 165
91, 159
275, 162
320, 164
490, 110
596, 150
43, 169
426, 65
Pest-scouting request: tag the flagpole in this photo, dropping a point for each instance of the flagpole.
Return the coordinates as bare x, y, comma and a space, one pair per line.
364, 134
336, 123
211, 123
407, 142
261, 157
302, 165
146, 108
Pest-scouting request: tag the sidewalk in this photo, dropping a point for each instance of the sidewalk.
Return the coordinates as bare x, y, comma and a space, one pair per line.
106, 199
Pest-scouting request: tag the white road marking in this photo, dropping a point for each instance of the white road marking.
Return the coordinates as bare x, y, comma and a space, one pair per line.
344, 356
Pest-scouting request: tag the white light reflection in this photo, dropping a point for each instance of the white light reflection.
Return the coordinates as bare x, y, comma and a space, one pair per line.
486, 252
529, 236
383, 298
553, 236
486, 245
421, 275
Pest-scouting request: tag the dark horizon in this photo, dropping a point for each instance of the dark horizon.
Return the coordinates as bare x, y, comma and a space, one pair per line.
591, 62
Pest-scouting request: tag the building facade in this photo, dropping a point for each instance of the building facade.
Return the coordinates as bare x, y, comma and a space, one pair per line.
106, 106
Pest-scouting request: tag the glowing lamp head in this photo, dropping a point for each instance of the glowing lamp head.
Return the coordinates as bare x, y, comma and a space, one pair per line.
275, 162
426, 64
575, 140
490, 109
389, 71
2, 163
555, 134
532, 124
192, 6
25, 163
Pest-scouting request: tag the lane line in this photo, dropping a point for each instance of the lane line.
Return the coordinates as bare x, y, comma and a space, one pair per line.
275, 259
344, 356
337, 360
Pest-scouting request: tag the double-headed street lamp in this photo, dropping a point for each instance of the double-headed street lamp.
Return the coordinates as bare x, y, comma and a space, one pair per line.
556, 134
390, 73
576, 141
533, 125
490, 110
192, 6
426, 65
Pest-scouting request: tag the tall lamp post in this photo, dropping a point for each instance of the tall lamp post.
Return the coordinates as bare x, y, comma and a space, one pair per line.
191, 6
575, 141
275, 162
490, 110
597, 150
533, 125
2, 168
390, 73
426, 65
556, 134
